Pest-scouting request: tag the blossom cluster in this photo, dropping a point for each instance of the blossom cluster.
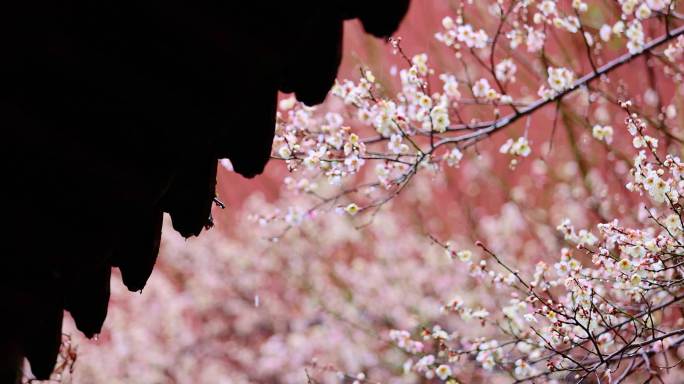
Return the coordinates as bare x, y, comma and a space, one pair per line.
574, 318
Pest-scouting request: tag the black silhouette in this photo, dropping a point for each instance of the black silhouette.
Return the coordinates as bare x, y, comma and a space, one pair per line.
115, 111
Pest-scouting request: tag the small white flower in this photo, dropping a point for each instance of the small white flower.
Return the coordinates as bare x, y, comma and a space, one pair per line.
481, 88
522, 369
625, 265
506, 99
450, 86
547, 7
440, 119
603, 133
352, 209
628, 6
657, 5
560, 78
465, 255
521, 147
518, 147
489, 363
535, 39
284, 152
448, 23
643, 12
420, 63
443, 372
424, 101
288, 103
505, 70
605, 32
396, 144
453, 157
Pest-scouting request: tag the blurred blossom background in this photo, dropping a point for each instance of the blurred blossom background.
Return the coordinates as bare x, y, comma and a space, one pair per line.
293, 285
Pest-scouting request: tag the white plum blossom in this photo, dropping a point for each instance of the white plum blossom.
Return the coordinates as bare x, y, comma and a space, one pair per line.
658, 5
439, 119
450, 86
560, 79
420, 63
453, 157
628, 6
643, 12
505, 70
674, 50
635, 34
603, 133
547, 7
443, 372
352, 209
396, 144
606, 32
465, 255
522, 369
517, 147
481, 88
473, 39
284, 152
535, 39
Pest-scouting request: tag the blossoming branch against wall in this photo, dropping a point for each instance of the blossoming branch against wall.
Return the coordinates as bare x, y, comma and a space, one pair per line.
499, 201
